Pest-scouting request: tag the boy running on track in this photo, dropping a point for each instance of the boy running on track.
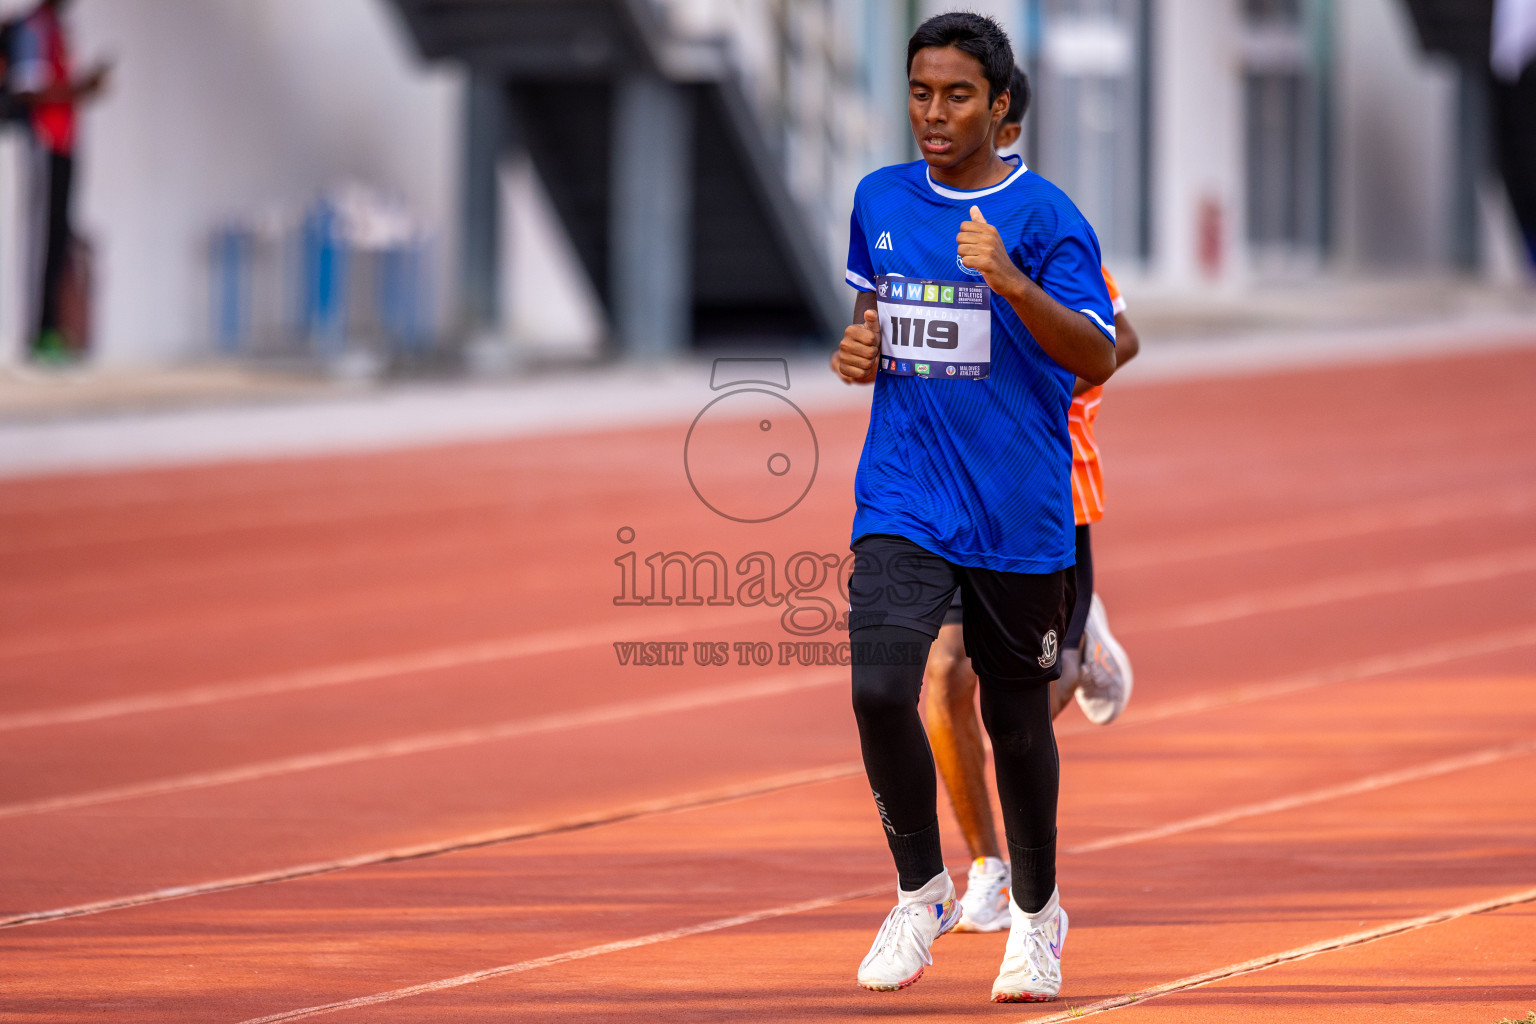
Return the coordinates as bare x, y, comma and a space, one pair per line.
980, 303
1093, 664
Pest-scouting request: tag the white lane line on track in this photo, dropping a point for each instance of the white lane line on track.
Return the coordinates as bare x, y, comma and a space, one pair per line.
1369, 784
1364, 669
720, 924
1182, 984
1340, 524
714, 696
624, 711
372, 669
309, 679
366, 670
1451, 572
1261, 963
1334, 525
609, 816
512, 649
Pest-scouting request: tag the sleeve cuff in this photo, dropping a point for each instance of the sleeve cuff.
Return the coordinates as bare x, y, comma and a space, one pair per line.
1108, 329
859, 281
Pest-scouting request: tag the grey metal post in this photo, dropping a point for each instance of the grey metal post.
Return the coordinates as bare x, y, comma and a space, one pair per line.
1473, 145
484, 139
652, 202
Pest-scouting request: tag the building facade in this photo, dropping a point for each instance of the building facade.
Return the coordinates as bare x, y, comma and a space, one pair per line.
1216, 145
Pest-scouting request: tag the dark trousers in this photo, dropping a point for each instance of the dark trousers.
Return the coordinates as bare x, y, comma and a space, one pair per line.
1515, 123
61, 180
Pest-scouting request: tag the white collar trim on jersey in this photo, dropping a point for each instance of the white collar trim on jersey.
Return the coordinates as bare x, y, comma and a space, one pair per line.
956, 193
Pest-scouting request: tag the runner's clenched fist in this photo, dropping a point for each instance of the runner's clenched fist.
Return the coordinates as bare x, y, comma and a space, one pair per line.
856, 359
981, 249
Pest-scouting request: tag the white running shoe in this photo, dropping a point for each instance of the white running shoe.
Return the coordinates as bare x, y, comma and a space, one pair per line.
1105, 680
901, 946
985, 902
1031, 971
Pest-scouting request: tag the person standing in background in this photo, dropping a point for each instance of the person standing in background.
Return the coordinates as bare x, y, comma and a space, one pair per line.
1513, 62
42, 77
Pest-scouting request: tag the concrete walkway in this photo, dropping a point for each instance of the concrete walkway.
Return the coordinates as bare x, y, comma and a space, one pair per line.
260, 418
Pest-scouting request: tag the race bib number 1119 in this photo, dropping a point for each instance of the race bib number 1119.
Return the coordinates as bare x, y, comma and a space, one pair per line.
937, 329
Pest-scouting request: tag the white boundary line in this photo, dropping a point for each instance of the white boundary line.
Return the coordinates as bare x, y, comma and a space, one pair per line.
648, 808
1299, 953
811, 776
720, 924
1435, 574
691, 700
1338, 524
433, 660
309, 679
1364, 668
654, 938
1369, 784
1447, 573
624, 711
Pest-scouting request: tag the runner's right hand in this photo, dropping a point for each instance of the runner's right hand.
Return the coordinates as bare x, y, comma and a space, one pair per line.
857, 358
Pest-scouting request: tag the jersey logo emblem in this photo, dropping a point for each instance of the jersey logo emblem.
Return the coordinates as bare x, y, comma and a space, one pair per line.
1048, 649
885, 241
960, 262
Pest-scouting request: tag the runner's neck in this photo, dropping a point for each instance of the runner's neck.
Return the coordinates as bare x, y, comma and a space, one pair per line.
982, 170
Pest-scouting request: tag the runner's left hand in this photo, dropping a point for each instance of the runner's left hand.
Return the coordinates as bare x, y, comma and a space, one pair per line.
981, 248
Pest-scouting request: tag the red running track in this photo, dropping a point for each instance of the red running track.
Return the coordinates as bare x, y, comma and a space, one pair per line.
348, 738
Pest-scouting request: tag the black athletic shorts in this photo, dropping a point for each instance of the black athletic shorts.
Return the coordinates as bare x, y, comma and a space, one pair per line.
1079, 619
1014, 621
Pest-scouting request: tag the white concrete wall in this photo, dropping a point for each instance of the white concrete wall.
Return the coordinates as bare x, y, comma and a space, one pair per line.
1197, 147
1394, 113
226, 107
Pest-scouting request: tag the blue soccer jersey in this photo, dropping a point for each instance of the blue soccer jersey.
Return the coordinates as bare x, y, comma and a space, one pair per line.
967, 453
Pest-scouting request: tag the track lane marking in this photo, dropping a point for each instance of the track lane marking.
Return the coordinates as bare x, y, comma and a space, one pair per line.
1368, 784
424, 743
1299, 953
418, 851
763, 787
713, 696
1349, 671
720, 924
365, 670
458, 656
1336, 525
655, 938
1448, 573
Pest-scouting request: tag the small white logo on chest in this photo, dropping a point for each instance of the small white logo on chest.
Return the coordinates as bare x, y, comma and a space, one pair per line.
884, 241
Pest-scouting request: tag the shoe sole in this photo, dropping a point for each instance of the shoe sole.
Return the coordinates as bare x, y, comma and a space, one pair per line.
959, 916
1098, 616
892, 988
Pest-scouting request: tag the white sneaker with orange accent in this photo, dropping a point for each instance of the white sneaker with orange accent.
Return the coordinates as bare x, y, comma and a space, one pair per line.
902, 945
985, 902
1031, 971
1105, 680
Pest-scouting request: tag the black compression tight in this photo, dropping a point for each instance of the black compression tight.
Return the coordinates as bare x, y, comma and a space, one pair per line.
887, 681
1028, 777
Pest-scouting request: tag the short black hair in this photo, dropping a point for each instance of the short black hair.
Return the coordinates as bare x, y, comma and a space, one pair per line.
1019, 95
973, 34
